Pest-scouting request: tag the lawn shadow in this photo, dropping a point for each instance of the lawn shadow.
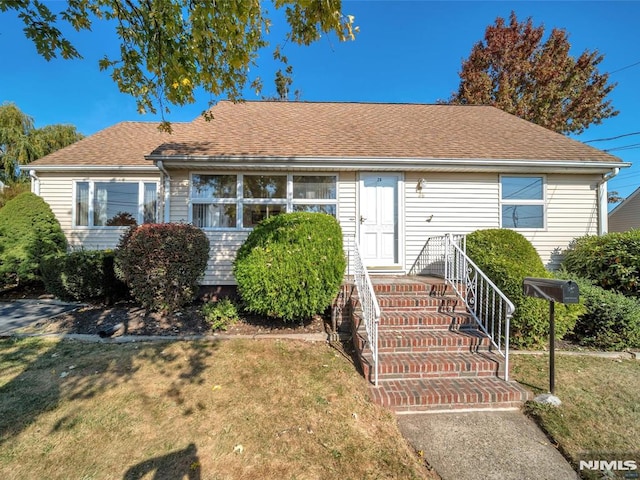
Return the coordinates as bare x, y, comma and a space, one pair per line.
172, 466
66, 371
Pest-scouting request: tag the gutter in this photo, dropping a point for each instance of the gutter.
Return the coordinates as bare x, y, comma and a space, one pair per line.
166, 190
603, 217
95, 168
35, 182
382, 163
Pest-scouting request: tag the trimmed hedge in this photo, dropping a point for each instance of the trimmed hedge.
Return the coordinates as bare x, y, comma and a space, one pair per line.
610, 321
163, 263
83, 275
291, 266
611, 261
29, 234
507, 257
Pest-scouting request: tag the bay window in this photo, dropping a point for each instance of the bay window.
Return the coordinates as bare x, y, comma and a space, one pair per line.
115, 204
244, 200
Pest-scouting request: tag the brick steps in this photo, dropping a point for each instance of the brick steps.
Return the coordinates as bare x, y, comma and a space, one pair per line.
407, 303
433, 365
426, 340
419, 395
426, 320
432, 356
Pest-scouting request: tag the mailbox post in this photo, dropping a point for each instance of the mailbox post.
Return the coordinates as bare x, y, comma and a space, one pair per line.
563, 291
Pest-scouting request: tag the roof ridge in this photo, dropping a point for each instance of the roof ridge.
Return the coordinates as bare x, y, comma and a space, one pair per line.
348, 102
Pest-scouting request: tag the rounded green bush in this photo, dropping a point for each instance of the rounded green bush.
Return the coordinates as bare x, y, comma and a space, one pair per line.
611, 260
507, 257
291, 266
162, 264
29, 234
609, 321
83, 275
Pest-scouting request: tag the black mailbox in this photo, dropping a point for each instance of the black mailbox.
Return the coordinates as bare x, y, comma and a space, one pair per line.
563, 291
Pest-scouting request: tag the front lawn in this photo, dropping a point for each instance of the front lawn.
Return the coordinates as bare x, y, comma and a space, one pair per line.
211, 410
599, 417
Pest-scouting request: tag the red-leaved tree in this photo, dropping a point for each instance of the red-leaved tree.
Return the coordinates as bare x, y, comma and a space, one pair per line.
514, 70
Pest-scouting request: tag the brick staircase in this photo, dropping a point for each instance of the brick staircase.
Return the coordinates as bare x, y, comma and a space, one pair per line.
431, 354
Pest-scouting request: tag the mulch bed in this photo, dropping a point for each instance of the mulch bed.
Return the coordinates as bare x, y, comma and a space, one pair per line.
93, 318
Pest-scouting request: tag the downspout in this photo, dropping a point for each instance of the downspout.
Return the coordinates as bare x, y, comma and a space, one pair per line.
603, 197
35, 182
166, 189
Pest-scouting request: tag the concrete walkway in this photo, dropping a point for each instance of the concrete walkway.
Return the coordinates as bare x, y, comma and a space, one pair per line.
21, 313
491, 445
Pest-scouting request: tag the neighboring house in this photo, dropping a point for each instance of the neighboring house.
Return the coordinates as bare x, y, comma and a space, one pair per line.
392, 174
626, 215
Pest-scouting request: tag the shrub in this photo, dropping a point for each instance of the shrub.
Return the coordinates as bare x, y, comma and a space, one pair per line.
12, 191
610, 321
611, 261
507, 257
291, 265
162, 263
83, 275
29, 233
219, 315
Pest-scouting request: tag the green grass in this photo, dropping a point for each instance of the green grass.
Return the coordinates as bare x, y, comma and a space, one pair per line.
221, 410
600, 413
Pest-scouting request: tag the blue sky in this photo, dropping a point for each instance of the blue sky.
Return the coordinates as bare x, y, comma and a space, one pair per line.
407, 51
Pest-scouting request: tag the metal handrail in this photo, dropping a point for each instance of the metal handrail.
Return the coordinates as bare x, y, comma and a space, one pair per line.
368, 300
488, 305
430, 260
446, 256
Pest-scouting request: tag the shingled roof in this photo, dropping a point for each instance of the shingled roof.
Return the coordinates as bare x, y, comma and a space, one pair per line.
334, 130
123, 144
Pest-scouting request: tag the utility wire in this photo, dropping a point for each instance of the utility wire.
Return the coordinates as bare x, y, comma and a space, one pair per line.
624, 147
611, 138
624, 68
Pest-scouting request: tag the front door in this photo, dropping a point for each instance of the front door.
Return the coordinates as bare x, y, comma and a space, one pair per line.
379, 219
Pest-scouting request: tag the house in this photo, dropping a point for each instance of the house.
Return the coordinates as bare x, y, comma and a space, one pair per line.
626, 215
392, 174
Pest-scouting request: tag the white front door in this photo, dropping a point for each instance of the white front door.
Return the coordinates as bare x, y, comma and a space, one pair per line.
379, 219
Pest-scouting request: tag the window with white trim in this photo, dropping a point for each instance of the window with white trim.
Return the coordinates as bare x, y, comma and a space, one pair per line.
243, 200
522, 202
213, 200
263, 196
115, 204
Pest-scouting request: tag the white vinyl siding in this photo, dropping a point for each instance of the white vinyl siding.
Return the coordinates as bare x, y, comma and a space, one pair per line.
347, 195
448, 202
626, 216
57, 189
572, 211
464, 202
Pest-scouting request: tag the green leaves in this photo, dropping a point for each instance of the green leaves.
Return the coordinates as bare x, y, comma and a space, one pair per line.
21, 143
506, 257
612, 260
29, 234
170, 48
291, 265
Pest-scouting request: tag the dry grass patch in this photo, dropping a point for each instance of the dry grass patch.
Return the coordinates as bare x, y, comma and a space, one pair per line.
600, 412
226, 410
